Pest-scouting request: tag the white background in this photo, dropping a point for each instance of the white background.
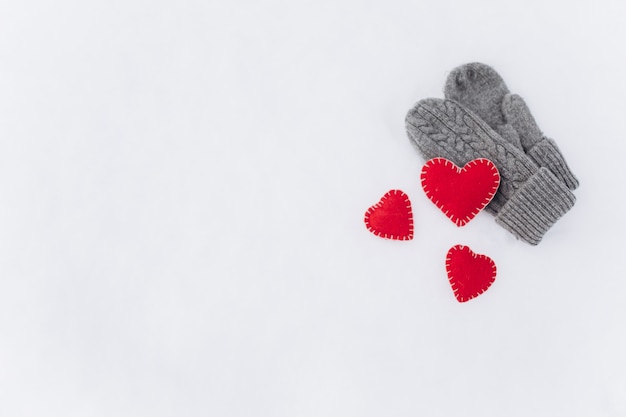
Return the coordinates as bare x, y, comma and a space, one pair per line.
182, 188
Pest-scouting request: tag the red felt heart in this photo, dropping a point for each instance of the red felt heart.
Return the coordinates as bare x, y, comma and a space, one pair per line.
391, 217
469, 273
460, 193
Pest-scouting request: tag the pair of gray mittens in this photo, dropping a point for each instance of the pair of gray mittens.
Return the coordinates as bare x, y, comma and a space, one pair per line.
480, 118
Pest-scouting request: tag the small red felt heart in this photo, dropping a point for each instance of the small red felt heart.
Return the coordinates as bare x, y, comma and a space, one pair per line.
469, 273
461, 193
391, 217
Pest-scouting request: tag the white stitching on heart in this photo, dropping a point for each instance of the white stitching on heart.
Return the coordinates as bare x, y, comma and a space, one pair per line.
457, 248
460, 221
380, 204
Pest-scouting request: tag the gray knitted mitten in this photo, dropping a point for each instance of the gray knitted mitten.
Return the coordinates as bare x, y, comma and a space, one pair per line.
479, 88
530, 198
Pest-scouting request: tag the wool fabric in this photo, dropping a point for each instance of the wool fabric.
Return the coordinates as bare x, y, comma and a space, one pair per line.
482, 90
530, 198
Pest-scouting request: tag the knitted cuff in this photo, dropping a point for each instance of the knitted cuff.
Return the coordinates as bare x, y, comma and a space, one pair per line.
546, 154
536, 206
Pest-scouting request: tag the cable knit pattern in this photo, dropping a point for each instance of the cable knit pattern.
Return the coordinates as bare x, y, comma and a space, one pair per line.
446, 129
479, 88
529, 201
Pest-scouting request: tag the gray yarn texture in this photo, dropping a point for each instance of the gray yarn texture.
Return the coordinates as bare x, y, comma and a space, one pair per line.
481, 89
530, 198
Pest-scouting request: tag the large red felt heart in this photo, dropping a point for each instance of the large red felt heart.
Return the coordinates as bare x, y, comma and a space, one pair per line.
469, 273
391, 217
461, 193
